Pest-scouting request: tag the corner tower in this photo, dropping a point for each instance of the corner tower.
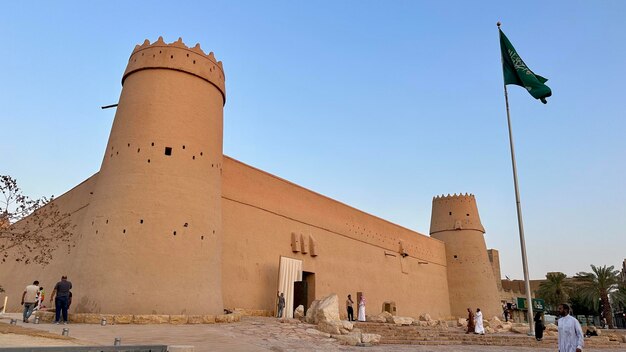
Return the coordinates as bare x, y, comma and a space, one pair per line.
153, 228
455, 221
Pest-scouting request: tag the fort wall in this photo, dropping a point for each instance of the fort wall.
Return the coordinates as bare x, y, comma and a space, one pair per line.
14, 276
348, 250
169, 225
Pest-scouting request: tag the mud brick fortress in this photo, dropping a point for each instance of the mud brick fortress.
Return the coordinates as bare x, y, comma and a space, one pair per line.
171, 225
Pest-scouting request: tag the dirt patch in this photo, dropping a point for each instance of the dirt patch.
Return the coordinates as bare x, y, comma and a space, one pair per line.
19, 330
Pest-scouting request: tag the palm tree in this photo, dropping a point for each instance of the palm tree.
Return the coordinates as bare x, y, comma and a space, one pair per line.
618, 298
555, 290
580, 306
596, 286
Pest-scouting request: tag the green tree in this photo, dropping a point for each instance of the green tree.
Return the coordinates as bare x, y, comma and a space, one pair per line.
596, 286
555, 290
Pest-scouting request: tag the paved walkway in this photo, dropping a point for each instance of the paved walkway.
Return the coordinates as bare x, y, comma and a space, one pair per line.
252, 334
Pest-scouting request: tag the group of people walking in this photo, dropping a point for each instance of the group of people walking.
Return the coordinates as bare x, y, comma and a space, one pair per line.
33, 299
475, 322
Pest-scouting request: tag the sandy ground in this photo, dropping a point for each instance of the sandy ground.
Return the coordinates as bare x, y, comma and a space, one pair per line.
251, 334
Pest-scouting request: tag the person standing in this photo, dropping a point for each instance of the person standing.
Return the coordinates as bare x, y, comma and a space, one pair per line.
29, 299
349, 303
361, 313
505, 312
41, 295
470, 321
61, 296
281, 304
539, 326
478, 318
570, 333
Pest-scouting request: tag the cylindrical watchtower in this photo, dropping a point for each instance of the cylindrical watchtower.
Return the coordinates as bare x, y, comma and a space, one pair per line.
455, 221
154, 224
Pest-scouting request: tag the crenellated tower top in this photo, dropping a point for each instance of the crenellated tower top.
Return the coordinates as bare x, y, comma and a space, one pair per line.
455, 212
177, 56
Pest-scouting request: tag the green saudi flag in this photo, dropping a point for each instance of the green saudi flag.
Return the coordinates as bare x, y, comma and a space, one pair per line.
516, 72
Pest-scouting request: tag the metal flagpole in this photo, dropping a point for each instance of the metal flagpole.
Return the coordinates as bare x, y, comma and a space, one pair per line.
529, 301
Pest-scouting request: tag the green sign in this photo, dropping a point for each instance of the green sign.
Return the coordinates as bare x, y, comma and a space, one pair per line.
538, 304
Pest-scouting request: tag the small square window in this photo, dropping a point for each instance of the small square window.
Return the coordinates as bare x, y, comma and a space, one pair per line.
168, 151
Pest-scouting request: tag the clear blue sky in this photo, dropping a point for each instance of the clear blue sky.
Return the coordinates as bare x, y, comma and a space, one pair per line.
379, 104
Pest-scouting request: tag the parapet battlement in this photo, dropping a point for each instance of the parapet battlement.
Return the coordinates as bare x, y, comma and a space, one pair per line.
177, 56
455, 212
460, 197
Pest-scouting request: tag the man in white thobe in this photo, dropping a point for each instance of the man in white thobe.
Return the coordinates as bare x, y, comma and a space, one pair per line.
361, 312
570, 332
478, 318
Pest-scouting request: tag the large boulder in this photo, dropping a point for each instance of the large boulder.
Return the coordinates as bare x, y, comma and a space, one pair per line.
373, 339
317, 332
442, 324
460, 322
613, 336
520, 329
402, 320
384, 317
352, 339
328, 309
331, 327
347, 325
497, 324
425, 317
552, 327
506, 326
310, 313
298, 313
376, 318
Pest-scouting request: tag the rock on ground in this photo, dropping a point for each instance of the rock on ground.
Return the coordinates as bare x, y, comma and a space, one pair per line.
298, 313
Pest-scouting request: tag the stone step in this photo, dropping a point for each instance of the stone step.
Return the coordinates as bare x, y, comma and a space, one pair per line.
419, 335
541, 344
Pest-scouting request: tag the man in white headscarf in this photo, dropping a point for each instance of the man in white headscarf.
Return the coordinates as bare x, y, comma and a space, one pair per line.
361, 311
